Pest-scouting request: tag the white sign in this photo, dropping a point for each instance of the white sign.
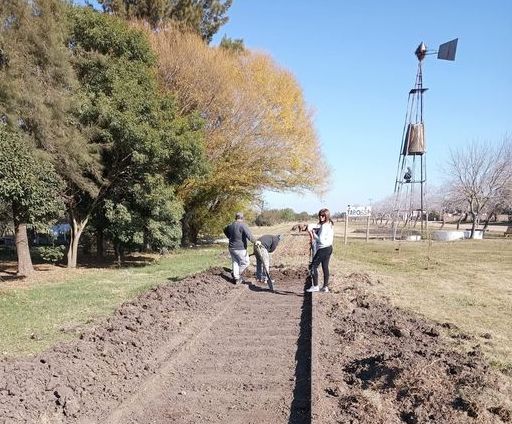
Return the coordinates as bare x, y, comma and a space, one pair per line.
359, 210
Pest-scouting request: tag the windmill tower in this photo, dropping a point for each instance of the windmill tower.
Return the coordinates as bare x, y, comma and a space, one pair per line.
411, 177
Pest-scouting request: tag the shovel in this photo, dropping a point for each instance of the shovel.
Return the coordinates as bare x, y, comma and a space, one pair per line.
309, 278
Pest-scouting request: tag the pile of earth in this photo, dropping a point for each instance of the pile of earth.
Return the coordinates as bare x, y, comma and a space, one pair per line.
380, 364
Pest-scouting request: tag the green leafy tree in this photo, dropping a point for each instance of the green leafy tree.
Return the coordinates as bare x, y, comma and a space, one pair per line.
38, 86
121, 227
133, 126
233, 45
203, 16
51, 254
286, 215
5, 219
31, 187
302, 216
147, 216
160, 212
276, 216
39, 91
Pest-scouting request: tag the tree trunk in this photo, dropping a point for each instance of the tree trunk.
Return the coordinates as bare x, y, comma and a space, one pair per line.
77, 227
118, 253
99, 243
146, 246
473, 224
416, 220
194, 235
489, 217
462, 218
185, 231
25, 267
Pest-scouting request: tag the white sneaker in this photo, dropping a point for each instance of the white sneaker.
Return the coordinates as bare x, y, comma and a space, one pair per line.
325, 289
313, 289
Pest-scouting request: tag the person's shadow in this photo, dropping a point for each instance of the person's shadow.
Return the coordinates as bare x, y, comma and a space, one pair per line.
226, 275
253, 287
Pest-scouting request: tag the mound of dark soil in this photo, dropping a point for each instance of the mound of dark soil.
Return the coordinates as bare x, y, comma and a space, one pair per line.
379, 364
108, 362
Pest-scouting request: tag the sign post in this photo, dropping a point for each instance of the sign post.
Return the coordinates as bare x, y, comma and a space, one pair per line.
358, 211
346, 227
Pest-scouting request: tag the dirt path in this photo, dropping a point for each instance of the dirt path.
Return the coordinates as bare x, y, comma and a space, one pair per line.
240, 368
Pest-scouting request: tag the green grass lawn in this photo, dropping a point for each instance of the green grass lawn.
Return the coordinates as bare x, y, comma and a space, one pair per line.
34, 315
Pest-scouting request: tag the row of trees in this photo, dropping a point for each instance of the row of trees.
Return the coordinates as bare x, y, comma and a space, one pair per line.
140, 130
478, 183
277, 216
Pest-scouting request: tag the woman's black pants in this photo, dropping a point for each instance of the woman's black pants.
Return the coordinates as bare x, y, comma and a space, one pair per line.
322, 256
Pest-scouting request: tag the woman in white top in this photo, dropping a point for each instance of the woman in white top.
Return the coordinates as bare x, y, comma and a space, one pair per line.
323, 237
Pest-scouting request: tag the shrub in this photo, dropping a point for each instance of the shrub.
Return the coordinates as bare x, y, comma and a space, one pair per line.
51, 254
264, 220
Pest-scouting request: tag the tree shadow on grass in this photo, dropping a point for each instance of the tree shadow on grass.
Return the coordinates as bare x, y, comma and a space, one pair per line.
8, 276
110, 262
224, 273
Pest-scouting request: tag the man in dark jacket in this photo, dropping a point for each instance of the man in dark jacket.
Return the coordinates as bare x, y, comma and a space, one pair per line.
268, 245
238, 233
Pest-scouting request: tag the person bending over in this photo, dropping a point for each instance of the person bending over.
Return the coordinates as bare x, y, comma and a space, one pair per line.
268, 245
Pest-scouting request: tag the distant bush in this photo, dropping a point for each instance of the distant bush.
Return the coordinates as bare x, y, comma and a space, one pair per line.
434, 216
52, 254
278, 216
264, 220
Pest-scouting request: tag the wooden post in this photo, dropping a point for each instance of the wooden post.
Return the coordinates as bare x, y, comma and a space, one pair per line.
346, 227
368, 228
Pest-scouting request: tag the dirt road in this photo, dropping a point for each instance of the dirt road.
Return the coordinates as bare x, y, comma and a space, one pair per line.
240, 368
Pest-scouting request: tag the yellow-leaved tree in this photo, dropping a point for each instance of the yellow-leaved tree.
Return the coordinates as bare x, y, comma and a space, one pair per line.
258, 129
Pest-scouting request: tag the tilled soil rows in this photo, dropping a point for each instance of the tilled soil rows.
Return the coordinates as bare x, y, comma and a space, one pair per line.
203, 350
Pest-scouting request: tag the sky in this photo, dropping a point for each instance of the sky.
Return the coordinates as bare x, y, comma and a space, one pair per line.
355, 63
